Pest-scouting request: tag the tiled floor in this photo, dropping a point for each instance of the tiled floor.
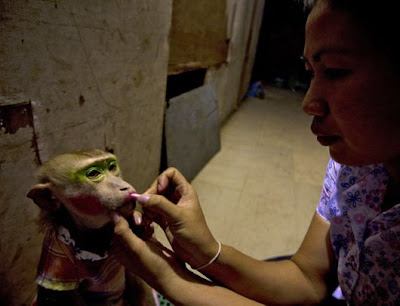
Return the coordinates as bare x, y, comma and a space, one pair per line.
260, 191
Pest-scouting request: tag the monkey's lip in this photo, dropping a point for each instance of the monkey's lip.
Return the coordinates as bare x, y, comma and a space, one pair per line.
129, 205
127, 208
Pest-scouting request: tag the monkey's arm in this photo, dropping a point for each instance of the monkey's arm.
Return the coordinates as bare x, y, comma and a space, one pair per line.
48, 297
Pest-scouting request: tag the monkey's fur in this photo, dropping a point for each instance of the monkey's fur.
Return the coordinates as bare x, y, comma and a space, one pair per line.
76, 193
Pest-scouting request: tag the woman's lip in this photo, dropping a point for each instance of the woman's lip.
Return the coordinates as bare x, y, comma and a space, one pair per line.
328, 140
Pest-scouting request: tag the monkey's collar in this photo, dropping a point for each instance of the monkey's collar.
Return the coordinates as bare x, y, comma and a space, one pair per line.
64, 235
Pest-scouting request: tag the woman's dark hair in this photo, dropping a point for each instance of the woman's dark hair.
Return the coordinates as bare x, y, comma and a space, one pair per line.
380, 19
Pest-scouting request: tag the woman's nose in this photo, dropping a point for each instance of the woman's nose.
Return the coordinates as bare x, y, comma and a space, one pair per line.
314, 104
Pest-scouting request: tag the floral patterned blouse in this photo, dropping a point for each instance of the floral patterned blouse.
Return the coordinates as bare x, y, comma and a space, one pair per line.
365, 240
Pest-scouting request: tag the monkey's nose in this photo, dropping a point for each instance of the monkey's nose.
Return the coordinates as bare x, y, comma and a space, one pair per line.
127, 187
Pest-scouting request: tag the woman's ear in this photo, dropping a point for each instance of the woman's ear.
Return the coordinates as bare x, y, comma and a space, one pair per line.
43, 197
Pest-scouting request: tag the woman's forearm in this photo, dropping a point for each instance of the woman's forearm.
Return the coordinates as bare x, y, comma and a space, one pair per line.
259, 280
299, 280
193, 290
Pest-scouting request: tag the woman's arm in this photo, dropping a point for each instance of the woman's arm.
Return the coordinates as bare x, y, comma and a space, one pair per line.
193, 290
173, 204
302, 279
160, 268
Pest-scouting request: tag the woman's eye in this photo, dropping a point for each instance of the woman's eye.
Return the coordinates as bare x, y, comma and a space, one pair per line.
333, 74
93, 173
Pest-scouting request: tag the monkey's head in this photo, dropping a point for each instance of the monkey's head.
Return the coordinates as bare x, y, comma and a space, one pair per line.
88, 184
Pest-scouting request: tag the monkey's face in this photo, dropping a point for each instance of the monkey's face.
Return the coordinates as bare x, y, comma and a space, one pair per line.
96, 189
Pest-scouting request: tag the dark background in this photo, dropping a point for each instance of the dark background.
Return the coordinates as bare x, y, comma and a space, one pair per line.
280, 45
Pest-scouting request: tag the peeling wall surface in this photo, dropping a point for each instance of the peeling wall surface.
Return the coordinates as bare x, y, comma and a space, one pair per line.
94, 75
198, 35
90, 74
244, 17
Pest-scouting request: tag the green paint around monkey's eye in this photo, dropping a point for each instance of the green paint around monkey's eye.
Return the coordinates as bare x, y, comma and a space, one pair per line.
94, 173
113, 166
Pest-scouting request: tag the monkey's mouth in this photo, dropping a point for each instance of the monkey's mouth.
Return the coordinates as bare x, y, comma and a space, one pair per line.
127, 208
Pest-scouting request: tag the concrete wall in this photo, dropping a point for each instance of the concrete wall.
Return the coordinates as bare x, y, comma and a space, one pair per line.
87, 74
94, 73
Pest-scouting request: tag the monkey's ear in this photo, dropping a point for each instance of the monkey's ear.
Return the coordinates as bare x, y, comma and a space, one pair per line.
43, 197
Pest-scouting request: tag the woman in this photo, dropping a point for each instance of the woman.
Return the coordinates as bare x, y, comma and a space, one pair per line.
354, 236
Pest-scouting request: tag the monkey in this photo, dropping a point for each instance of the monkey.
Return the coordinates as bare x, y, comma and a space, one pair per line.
76, 193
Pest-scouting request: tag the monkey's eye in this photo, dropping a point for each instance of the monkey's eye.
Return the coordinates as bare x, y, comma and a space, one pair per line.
93, 173
113, 166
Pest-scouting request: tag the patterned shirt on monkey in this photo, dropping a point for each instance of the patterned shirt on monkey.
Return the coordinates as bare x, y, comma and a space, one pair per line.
64, 267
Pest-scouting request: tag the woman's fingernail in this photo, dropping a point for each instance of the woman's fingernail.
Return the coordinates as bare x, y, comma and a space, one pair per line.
143, 198
115, 217
134, 196
138, 220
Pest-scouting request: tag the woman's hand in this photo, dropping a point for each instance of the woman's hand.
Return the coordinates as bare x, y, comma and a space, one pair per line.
173, 203
149, 259
162, 270
141, 225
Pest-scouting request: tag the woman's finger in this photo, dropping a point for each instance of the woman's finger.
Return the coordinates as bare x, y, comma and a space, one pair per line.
160, 205
124, 232
170, 181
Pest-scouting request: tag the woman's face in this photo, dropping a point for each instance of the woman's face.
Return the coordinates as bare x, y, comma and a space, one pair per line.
354, 94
